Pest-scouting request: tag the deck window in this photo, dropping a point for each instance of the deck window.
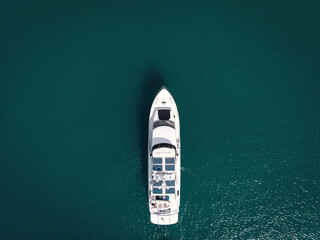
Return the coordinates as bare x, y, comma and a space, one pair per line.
170, 183
170, 191
157, 160
157, 167
169, 160
170, 167
155, 183
157, 191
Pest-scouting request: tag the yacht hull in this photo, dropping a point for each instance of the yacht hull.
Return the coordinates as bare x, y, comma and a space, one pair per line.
164, 146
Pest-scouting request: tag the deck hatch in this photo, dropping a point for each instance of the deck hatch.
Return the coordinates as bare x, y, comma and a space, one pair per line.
164, 114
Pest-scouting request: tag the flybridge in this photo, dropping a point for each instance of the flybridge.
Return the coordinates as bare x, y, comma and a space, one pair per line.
164, 160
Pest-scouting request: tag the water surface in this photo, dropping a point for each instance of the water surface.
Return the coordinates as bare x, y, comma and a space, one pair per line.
76, 83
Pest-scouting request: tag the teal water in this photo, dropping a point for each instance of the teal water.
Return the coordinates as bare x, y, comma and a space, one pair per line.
76, 83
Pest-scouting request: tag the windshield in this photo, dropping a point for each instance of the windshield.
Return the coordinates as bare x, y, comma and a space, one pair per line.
166, 123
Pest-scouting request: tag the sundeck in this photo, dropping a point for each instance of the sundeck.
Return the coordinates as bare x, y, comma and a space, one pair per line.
164, 159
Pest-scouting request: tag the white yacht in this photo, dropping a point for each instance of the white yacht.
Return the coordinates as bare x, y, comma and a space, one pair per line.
164, 159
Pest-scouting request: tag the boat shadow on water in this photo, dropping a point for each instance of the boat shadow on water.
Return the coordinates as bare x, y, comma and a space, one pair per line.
151, 84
